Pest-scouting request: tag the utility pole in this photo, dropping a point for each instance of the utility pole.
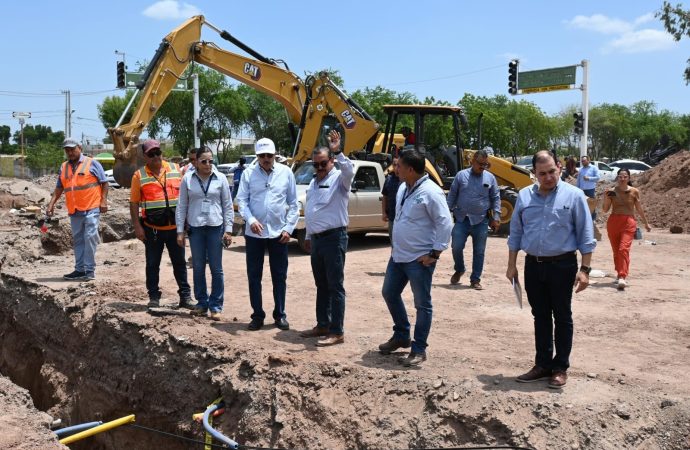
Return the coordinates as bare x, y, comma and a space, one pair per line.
68, 114
585, 108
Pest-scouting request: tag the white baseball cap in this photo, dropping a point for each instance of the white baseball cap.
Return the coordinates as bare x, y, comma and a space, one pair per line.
265, 145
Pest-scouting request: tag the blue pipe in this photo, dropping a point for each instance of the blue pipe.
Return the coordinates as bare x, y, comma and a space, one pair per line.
226, 440
68, 431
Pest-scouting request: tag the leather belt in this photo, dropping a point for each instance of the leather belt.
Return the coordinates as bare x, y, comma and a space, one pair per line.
327, 232
548, 259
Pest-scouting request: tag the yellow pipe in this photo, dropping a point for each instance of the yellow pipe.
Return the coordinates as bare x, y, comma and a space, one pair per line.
95, 430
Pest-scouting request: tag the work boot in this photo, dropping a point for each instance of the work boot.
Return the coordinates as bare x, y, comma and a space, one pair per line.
255, 324
76, 275
413, 359
214, 315
154, 303
186, 303
476, 285
198, 311
455, 279
393, 344
89, 276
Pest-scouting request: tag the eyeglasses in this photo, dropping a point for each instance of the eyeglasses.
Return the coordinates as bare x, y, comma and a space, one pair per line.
484, 165
265, 155
205, 161
322, 164
153, 153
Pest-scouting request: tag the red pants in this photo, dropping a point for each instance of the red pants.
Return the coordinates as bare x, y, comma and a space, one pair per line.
621, 231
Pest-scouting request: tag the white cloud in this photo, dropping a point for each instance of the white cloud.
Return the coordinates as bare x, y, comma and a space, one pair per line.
628, 38
600, 24
171, 9
640, 41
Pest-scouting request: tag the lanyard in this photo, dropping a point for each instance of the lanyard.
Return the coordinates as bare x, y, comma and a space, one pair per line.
208, 185
406, 195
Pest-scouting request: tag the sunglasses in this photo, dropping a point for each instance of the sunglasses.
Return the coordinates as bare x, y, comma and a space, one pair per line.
153, 153
205, 161
322, 164
265, 155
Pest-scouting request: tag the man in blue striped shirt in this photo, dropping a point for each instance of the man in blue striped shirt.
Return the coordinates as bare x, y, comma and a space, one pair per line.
549, 223
422, 231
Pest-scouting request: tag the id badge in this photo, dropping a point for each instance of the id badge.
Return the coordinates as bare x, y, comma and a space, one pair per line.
205, 207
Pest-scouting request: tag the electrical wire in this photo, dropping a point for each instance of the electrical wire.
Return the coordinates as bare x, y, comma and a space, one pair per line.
447, 77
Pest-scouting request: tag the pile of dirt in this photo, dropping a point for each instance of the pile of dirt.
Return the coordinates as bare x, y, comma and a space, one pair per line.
665, 192
23, 426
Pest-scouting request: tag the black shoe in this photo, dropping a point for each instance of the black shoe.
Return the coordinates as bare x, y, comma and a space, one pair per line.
76, 275
393, 344
282, 324
186, 303
154, 303
255, 324
89, 276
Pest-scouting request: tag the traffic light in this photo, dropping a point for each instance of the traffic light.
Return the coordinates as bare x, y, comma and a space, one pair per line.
121, 75
579, 124
513, 77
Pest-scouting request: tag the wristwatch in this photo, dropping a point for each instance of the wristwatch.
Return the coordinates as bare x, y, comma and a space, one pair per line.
434, 254
585, 269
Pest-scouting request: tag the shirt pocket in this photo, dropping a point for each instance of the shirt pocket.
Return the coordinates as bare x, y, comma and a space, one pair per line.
562, 218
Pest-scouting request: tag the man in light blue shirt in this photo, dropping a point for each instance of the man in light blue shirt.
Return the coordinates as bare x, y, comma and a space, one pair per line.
422, 230
473, 196
326, 220
550, 222
587, 179
267, 200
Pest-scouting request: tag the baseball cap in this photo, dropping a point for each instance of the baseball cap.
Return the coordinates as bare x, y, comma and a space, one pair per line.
150, 144
70, 143
265, 145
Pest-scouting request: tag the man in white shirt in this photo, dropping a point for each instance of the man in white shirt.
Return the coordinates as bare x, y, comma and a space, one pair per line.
326, 223
267, 200
423, 227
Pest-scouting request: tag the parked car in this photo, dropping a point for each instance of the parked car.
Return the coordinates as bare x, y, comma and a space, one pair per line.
228, 169
111, 179
525, 162
635, 167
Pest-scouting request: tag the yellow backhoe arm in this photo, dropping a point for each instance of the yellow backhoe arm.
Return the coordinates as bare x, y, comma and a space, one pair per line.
307, 104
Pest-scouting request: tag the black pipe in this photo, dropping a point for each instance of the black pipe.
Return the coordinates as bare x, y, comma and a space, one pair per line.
159, 54
228, 37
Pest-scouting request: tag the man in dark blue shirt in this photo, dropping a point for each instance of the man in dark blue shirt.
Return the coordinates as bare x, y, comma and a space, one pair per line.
549, 223
389, 191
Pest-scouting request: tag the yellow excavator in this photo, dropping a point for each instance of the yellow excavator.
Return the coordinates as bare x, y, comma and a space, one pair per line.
314, 105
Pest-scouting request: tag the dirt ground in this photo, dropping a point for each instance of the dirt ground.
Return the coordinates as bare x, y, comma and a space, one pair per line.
90, 351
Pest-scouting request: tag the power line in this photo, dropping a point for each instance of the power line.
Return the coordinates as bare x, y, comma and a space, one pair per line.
447, 77
42, 94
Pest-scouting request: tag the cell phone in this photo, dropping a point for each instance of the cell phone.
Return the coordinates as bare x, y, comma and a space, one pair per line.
611, 193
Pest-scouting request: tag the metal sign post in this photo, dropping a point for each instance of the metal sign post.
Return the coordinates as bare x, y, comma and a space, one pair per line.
21, 116
585, 108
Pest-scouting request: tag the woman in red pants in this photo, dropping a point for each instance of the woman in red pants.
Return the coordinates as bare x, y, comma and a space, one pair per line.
623, 200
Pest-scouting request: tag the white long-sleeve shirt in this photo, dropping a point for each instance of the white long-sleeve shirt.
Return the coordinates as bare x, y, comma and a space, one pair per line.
269, 198
328, 199
192, 197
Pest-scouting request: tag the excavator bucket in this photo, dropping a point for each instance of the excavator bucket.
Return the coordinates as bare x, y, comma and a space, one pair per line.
127, 161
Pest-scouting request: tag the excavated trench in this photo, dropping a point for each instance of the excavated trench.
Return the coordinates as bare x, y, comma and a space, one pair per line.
81, 361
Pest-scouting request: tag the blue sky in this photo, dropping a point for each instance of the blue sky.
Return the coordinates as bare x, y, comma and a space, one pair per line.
432, 48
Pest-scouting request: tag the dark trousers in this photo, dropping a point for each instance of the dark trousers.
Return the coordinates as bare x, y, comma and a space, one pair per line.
328, 266
156, 240
549, 287
278, 262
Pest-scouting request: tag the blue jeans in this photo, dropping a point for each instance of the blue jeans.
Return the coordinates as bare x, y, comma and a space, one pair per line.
85, 237
278, 261
328, 266
549, 287
207, 244
419, 277
156, 242
479, 233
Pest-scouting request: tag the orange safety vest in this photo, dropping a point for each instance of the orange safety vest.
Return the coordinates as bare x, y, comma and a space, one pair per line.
82, 188
153, 198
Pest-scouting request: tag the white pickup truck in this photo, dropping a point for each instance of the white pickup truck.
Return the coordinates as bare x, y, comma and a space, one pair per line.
365, 199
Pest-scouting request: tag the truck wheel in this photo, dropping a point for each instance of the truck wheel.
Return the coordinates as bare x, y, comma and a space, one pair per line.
508, 199
300, 235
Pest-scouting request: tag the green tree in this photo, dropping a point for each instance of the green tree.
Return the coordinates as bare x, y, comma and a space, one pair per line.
267, 118
373, 99
611, 130
112, 107
33, 134
677, 22
45, 155
5, 146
